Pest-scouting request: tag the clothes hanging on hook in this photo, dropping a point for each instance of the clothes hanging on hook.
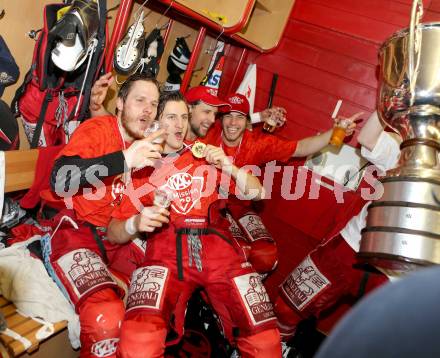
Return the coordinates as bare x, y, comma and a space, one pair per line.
215, 70
177, 64
153, 50
129, 51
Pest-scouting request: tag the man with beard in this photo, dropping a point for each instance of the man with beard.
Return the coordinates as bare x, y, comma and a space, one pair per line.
203, 107
90, 175
193, 250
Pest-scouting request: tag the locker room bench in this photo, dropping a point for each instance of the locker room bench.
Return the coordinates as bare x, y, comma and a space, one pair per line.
20, 169
57, 344
19, 175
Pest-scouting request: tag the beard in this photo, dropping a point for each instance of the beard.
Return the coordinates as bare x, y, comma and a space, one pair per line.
197, 132
126, 121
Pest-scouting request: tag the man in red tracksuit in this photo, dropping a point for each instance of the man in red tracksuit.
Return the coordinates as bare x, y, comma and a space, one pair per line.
90, 176
326, 275
244, 146
195, 250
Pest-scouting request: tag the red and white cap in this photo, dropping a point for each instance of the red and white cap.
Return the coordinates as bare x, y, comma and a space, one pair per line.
238, 103
206, 95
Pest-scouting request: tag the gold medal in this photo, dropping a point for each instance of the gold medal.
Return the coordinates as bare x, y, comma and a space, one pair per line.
197, 149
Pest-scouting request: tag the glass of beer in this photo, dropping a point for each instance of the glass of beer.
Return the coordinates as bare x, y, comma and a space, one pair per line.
162, 197
154, 127
276, 119
270, 124
339, 133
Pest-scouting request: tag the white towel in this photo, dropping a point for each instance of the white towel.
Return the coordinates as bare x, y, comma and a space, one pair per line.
25, 282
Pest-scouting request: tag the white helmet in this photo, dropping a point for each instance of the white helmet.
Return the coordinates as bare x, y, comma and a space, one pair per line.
69, 58
75, 32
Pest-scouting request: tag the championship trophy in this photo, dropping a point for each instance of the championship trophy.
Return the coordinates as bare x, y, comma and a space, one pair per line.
403, 227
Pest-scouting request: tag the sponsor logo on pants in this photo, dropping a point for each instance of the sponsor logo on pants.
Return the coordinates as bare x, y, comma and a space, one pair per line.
254, 227
147, 286
84, 270
304, 283
255, 298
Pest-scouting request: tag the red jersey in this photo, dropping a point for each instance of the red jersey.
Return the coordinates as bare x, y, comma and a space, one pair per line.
255, 148
94, 138
192, 183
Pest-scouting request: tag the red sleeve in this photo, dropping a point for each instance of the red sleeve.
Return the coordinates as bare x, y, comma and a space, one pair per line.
271, 147
94, 137
125, 209
134, 200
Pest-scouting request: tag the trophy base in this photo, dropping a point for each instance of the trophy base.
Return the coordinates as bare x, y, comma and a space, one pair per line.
390, 265
399, 251
410, 173
403, 227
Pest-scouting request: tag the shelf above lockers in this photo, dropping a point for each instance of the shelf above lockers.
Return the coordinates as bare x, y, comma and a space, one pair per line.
228, 16
266, 25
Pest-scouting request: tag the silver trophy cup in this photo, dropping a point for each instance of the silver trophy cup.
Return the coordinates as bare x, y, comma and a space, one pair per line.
403, 227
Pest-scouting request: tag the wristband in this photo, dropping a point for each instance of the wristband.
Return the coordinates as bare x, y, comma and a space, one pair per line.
129, 226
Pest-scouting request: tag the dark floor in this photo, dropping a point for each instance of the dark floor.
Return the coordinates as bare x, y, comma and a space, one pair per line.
203, 338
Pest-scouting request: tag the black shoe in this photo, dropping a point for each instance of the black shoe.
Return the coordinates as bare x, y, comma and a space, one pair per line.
12, 214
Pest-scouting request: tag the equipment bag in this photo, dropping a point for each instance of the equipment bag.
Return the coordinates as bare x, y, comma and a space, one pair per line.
52, 102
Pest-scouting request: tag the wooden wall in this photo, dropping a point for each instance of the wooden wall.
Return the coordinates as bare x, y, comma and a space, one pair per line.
20, 17
328, 52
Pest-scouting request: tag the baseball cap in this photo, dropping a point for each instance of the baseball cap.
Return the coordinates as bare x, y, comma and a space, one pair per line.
206, 95
238, 103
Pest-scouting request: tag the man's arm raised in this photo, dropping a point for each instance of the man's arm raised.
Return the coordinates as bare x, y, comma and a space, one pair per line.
311, 145
98, 94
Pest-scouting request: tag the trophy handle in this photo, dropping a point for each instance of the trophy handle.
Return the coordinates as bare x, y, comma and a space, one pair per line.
414, 43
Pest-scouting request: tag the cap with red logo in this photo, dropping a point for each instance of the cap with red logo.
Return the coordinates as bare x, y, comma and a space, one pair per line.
206, 95
238, 103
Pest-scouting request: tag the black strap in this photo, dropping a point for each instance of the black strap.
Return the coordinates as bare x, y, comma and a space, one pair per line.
39, 127
214, 65
20, 91
99, 242
363, 285
179, 255
95, 64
